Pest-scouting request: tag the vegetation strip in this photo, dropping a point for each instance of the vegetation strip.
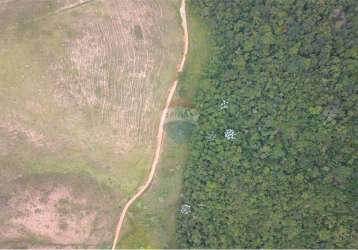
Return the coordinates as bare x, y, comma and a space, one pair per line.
160, 134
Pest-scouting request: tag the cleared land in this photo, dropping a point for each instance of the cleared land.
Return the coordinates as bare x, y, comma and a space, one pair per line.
82, 84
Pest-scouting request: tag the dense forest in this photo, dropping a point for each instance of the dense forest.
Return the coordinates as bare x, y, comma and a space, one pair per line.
274, 156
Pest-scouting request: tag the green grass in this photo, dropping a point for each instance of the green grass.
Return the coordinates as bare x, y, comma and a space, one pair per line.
199, 54
125, 178
151, 222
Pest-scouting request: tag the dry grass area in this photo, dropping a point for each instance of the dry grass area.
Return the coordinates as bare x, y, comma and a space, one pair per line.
82, 84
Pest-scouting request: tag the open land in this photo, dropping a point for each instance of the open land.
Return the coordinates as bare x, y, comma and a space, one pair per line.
82, 84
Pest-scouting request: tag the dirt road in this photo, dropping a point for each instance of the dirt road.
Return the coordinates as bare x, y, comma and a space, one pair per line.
160, 133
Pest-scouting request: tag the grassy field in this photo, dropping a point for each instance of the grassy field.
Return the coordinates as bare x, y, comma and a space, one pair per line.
81, 90
151, 221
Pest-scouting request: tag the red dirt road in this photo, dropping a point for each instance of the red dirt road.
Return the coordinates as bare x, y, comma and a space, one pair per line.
160, 133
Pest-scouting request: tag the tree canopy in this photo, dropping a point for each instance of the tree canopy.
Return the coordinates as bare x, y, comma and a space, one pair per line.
287, 71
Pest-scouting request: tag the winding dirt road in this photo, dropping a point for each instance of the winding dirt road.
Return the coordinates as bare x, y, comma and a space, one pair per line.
160, 133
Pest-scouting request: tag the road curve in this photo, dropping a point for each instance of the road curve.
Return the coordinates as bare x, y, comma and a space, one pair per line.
160, 133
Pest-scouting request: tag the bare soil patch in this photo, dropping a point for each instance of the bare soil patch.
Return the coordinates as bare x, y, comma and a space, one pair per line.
56, 209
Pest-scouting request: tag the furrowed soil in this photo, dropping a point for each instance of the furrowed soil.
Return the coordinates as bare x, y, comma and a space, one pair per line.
82, 85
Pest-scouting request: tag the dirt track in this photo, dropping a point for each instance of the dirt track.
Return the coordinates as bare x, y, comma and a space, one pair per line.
160, 133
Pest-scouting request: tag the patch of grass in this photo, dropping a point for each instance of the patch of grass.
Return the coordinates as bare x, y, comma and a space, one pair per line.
200, 49
108, 172
150, 222
180, 131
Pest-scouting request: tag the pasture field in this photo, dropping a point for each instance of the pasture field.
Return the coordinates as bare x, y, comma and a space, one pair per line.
82, 84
